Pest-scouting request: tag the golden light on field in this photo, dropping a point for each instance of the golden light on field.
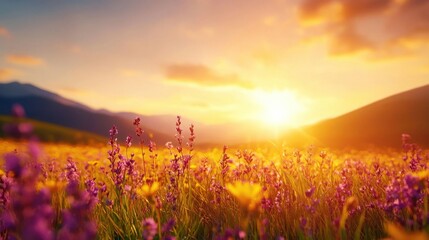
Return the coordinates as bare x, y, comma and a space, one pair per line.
277, 108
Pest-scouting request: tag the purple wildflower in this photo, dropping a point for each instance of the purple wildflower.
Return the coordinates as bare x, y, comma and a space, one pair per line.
77, 223
309, 192
179, 136
128, 141
149, 228
29, 214
71, 170
167, 228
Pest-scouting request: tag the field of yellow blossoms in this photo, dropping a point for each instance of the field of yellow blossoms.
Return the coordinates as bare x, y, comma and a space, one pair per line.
130, 189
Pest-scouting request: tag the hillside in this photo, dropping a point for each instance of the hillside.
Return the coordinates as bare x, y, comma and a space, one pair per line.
50, 111
381, 123
16, 89
47, 132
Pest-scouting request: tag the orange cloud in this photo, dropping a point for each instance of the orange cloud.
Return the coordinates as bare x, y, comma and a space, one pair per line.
341, 10
25, 60
202, 75
404, 22
410, 19
4, 32
7, 74
348, 41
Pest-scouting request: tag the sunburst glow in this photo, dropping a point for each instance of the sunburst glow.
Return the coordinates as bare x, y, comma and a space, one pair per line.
277, 108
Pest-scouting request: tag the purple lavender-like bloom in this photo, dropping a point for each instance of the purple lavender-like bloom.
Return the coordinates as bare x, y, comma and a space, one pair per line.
149, 228
77, 223
18, 111
266, 204
263, 231
139, 130
186, 161
152, 146
216, 188
28, 214
71, 170
406, 196
18, 129
191, 138
113, 131
225, 161
309, 192
167, 228
412, 153
92, 189
231, 233
13, 164
119, 168
128, 141
179, 135
5, 185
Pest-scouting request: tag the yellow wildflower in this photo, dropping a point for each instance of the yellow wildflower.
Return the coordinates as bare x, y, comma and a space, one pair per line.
399, 233
52, 185
1, 172
350, 204
422, 175
92, 162
148, 190
248, 195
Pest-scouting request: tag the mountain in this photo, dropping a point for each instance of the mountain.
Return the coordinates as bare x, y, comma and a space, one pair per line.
51, 108
16, 89
378, 124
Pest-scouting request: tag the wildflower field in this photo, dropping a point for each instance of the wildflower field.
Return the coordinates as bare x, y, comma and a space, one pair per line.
130, 189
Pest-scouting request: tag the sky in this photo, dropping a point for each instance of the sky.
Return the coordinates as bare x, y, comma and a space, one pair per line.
285, 62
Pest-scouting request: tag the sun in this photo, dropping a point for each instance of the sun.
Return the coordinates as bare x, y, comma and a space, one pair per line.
277, 108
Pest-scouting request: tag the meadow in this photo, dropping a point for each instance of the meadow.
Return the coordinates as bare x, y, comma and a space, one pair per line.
130, 189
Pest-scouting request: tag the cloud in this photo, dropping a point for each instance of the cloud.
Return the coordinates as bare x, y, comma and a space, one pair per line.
24, 60
202, 75
410, 19
7, 74
4, 32
340, 10
374, 25
348, 41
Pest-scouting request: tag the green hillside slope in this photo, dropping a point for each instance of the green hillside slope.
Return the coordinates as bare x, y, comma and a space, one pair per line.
47, 132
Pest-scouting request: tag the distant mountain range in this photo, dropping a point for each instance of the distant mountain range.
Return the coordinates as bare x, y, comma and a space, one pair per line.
49, 107
16, 90
52, 108
380, 123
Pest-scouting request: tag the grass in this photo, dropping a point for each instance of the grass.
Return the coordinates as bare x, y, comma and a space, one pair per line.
267, 193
